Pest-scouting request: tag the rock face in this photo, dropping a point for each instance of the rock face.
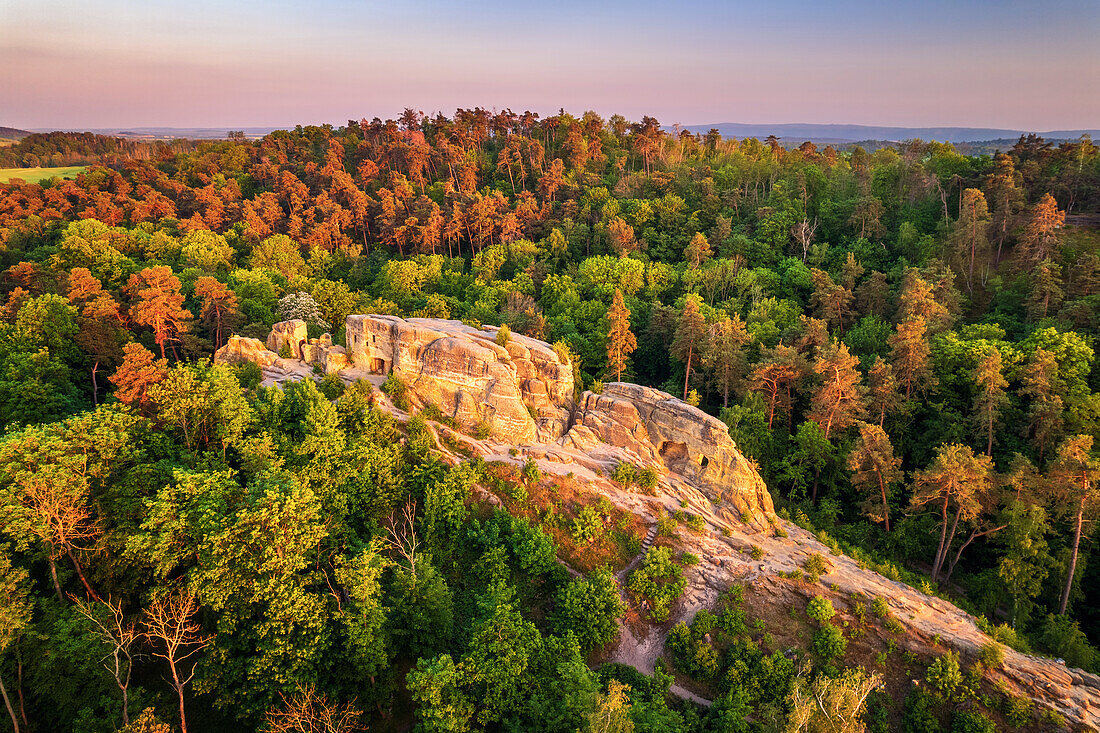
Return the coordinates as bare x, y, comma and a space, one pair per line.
522, 391
684, 439
239, 349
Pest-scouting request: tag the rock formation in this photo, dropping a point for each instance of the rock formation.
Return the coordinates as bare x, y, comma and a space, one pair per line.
521, 393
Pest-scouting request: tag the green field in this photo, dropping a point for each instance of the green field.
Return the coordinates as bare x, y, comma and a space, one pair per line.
34, 175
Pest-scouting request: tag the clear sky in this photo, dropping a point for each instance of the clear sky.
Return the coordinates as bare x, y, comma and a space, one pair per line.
1026, 64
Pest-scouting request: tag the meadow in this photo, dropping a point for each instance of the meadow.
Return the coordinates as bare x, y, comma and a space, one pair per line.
37, 175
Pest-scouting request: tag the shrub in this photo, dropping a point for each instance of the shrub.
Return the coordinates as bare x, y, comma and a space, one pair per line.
285, 352
820, 609
880, 607
815, 566
647, 478
972, 721
396, 390
1017, 710
659, 582
1062, 637
589, 608
331, 386
893, 625
757, 552
588, 526
919, 715
992, 655
623, 474
249, 374
504, 335
829, 643
531, 472
482, 430
689, 558
944, 675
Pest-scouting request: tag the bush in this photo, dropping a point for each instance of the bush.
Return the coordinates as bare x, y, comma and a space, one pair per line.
992, 655
623, 474
504, 335
589, 609
396, 390
829, 643
815, 566
482, 430
1017, 710
920, 713
249, 374
880, 607
757, 552
588, 526
972, 721
820, 609
659, 582
1062, 637
647, 478
331, 386
944, 675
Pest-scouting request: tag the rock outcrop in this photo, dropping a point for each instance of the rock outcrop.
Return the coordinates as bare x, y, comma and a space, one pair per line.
521, 392
685, 440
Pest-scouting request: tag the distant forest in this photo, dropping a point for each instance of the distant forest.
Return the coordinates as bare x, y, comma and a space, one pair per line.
903, 340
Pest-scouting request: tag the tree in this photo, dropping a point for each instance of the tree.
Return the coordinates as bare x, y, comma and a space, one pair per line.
1039, 239
954, 481
918, 300
138, 372
590, 608
724, 353
620, 340
110, 626
971, 232
882, 389
158, 304
301, 306
219, 305
831, 302
308, 711
875, 468
1026, 562
169, 623
909, 355
1074, 474
1046, 290
775, 375
690, 332
620, 235
991, 398
1042, 384
697, 251
612, 713
831, 705
838, 402
15, 615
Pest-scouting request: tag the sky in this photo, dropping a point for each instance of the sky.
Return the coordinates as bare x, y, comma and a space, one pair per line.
81, 64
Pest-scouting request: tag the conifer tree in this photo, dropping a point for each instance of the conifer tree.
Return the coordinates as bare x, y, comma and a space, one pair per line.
158, 304
917, 300
1042, 384
910, 355
991, 398
882, 389
620, 340
1046, 290
971, 232
724, 353
775, 375
1039, 239
874, 469
219, 305
690, 332
838, 402
698, 250
139, 371
954, 483
1075, 472
831, 302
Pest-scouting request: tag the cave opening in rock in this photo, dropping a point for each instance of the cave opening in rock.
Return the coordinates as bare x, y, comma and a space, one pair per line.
675, 455
703, 462
377, 365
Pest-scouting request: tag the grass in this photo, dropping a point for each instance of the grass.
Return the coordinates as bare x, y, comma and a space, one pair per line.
36, 175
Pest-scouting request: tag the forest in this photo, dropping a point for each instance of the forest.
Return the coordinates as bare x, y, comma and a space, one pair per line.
903, 341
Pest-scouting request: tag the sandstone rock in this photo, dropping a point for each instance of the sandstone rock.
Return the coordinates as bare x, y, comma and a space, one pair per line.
522, 391
684, 439
291, 334
239, 349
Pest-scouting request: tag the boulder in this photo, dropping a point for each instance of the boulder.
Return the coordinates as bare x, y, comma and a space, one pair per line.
239, 349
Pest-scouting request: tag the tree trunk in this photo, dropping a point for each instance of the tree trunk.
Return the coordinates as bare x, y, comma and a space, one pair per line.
687, 373
95, 387
947, 547
885, 506
179, 693
80, 574
7, 704
943, 537
56, 584
19, 685
1073, 558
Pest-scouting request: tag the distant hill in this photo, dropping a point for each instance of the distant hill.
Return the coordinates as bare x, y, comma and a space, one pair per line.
178, 133
853, 133
12, 133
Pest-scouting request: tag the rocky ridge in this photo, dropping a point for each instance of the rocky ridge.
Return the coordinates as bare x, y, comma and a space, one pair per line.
523, 392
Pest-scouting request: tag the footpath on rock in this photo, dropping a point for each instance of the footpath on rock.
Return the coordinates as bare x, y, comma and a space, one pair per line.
517, 396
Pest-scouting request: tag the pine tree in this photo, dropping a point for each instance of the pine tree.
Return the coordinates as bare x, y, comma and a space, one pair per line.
1075, 472
698, 250
1042, 384
775, 375
1046, 290
882, 389
874, 469
873, 294
159, 304
690, 332
1039, 239
917, 300
954, 482
138, 372
219, 305
838, 402
910, 355
831, 302
991, 398
620, 340
724, 353
971, 233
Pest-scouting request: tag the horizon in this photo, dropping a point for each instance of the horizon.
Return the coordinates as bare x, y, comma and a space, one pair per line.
119, 64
